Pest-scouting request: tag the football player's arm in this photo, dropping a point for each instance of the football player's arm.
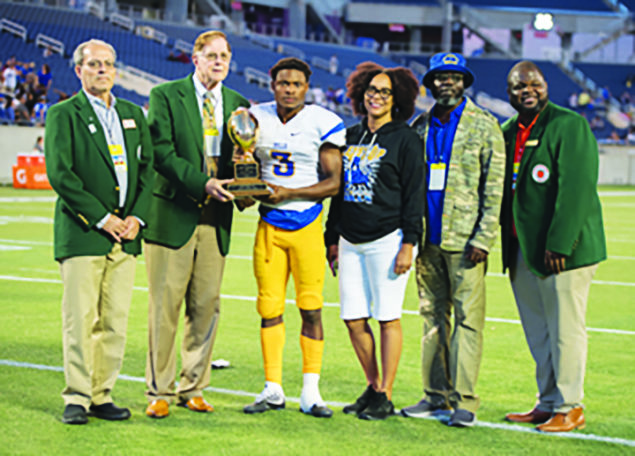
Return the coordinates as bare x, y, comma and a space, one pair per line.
329, 185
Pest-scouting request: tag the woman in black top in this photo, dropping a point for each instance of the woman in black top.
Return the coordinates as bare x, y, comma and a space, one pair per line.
375, 222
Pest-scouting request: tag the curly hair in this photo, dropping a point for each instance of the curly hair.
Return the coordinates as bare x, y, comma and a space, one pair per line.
405, 88
290, 63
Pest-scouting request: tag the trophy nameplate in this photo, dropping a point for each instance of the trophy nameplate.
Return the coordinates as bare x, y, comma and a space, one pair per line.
243, 131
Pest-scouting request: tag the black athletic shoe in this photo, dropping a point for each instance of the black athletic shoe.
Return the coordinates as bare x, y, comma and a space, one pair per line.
379, 408
361, 403
109, 411
74, 414
319, 411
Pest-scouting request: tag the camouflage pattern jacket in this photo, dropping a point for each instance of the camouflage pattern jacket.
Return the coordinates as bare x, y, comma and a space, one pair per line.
476, 174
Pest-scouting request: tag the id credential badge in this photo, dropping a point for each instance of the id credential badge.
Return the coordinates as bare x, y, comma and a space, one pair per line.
437, 176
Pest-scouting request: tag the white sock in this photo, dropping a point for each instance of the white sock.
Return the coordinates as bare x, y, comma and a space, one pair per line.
310, 392
272, 393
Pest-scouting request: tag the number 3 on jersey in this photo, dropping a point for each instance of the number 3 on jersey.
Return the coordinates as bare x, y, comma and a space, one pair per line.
284, 167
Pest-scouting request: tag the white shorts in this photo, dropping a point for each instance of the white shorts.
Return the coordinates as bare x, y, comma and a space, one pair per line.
367, 278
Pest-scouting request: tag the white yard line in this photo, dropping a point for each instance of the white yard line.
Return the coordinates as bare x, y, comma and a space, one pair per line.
484, 424
326, 304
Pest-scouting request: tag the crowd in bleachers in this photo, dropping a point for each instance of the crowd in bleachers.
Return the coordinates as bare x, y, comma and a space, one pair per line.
25, 102
24, 92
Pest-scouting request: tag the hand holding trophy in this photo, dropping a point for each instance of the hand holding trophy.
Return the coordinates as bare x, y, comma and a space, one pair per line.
243, 131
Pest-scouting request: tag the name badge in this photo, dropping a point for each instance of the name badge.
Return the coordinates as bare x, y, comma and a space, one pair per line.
92, 128
118, 157
531, 143
129, 124
437, 176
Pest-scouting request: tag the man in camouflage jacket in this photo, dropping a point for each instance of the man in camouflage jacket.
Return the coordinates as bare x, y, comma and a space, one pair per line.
465, 156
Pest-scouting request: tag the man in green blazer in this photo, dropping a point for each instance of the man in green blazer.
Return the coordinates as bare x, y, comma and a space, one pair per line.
552, 239
99, 161
189, 223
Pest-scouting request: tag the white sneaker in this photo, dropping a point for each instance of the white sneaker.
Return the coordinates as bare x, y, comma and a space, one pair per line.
271, 398
311, 401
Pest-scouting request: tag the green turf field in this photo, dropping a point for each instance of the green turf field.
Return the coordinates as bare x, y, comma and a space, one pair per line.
31, 357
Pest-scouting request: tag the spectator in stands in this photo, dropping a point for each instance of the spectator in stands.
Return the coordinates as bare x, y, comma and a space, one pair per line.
22, 114
98, 214
180, 57
334, 63
465, 172
8, 111
319, 97
630, 138
597, 123
185, 260
551, 242
11, 76
375, 224
39, 111
625, 101
45, 77
573, 100
584, 100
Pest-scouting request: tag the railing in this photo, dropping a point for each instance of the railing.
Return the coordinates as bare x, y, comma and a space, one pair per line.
151, 33
319, 62
253, 75
183, 46
262, 40
96, 9
11, 27
49, 43
285, 49
122, 21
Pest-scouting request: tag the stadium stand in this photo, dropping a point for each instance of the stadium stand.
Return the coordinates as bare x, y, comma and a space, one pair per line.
255, 54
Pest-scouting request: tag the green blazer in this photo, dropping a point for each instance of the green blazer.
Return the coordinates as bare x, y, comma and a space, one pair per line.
556, 205
179, 190
81, 171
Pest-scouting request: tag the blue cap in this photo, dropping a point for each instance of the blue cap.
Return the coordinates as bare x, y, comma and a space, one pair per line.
447, 61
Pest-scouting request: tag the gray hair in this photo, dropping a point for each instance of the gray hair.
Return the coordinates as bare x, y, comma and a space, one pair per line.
78, 54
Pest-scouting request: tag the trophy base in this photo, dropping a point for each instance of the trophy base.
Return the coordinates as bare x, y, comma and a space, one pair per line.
248, 187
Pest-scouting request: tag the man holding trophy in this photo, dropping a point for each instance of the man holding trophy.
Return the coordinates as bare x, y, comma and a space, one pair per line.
189, 223
298, 148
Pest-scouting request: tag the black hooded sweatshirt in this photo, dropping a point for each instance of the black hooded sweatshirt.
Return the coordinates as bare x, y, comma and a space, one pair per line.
383, 185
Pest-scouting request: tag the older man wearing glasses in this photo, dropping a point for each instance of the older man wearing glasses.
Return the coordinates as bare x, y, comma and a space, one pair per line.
465, 156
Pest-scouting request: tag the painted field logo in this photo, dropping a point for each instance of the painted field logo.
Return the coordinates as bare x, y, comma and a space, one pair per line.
540, 173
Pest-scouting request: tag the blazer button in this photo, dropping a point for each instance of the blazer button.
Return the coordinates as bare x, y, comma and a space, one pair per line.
117, 188
116, 211
200, 206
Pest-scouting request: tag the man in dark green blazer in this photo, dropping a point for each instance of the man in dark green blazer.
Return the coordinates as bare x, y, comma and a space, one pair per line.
189, 223
552, 239
99, 161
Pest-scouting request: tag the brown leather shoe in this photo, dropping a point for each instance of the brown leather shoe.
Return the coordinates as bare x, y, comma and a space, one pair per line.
198, 404
158, 408
534, 416
564, 422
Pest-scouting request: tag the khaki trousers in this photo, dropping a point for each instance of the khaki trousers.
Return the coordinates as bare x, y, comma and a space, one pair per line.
192, 273
95, 305
552, 311
451, 358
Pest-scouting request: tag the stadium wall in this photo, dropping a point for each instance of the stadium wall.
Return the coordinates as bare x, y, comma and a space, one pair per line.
13, 141
617, 163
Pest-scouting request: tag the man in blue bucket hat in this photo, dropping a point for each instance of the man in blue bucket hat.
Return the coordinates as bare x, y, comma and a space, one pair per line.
465, 158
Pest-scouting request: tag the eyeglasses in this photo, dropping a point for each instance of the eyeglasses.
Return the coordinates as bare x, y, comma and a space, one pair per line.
443, 76
212, 56
384, 94
98, 63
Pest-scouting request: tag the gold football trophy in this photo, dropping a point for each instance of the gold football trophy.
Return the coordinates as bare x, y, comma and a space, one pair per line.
243, 131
